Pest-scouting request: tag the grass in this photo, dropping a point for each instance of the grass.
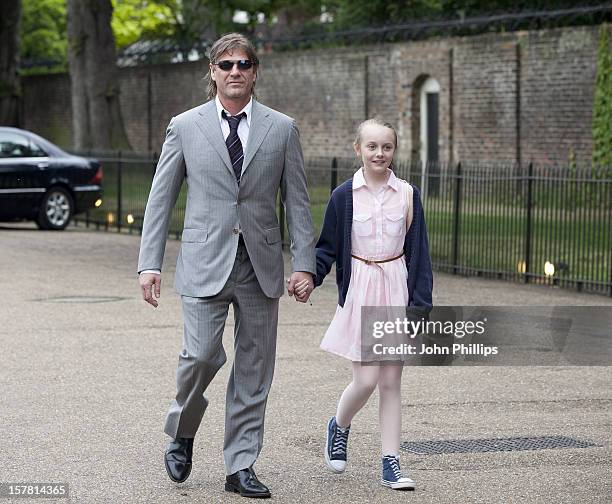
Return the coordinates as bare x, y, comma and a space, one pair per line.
491, 236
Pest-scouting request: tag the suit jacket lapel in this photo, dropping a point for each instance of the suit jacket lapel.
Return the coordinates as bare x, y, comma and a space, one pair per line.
208, 122
260, 125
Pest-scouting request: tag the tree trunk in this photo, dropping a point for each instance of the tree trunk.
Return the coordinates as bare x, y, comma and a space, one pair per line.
10, 91
94, 77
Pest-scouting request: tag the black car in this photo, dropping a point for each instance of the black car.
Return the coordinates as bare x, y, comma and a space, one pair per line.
41, 182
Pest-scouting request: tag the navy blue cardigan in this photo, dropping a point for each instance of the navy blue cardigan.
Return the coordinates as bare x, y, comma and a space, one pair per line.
334, 245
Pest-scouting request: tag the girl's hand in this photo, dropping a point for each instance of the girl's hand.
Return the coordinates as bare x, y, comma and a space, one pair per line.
301, 285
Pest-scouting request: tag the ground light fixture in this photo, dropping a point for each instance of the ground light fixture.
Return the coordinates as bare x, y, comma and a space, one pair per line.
550, 269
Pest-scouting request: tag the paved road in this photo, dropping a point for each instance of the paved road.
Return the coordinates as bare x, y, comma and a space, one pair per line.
85, 386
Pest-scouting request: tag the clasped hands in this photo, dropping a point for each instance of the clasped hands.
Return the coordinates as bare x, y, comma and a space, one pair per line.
300, 285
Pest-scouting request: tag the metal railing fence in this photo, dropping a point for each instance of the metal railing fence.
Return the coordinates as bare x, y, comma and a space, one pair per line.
549, 225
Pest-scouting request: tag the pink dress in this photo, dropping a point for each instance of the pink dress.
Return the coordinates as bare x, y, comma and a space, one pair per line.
378, 232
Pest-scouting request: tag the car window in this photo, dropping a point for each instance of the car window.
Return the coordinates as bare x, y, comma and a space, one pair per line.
36, 151
13, 145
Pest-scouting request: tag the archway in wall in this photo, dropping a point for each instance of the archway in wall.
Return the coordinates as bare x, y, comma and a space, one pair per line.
426, 132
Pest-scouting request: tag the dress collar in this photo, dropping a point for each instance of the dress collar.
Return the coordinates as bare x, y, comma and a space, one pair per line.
360, 181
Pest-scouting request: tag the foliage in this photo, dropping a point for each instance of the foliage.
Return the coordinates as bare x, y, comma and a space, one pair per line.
348, 14
195, 19
362, 13
137, 19
492, 230
44, 26
602, 113
189, 21
43, 34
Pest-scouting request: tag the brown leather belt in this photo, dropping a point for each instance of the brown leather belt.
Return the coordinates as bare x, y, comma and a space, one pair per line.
376, 261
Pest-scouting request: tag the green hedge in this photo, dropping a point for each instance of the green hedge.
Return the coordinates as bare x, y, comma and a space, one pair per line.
602, 107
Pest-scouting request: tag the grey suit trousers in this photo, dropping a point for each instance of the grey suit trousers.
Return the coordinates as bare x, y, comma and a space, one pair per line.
256, 320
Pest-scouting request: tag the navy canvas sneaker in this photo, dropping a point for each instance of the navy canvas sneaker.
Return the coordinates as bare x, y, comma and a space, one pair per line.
336, 446
392, 476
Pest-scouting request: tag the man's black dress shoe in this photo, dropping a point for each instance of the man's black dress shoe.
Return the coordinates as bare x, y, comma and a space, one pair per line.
178, 459
246, 484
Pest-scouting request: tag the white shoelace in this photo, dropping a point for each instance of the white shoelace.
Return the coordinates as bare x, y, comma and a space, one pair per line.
340, 441
394, 464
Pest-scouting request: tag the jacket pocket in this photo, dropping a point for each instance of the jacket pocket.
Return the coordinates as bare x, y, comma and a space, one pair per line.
273, 235
192, 235
269, 152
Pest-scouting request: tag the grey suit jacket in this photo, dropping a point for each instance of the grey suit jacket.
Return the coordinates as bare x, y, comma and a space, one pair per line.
194, 151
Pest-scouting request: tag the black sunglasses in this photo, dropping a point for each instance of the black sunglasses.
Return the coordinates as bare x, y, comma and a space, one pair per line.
227, 65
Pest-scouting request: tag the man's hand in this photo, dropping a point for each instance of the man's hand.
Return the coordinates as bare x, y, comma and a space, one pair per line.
300, 284
150, 282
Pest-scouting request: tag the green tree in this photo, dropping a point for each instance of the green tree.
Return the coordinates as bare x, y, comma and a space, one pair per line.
134, 20
10, 17
602, 113
361, 13
294, 17
43, 34
94, 79
44, 30
352, 14
195, 20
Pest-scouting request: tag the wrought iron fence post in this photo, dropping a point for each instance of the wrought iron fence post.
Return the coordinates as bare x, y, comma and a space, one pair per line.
334, 175
119, 192
528, 223
456, 220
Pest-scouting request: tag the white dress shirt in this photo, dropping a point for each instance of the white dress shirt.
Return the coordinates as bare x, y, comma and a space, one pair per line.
243, 133
243, 126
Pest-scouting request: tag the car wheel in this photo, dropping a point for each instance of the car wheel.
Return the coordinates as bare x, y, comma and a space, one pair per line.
56, 209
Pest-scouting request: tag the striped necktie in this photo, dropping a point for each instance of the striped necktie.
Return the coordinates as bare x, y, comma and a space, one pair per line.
234, 146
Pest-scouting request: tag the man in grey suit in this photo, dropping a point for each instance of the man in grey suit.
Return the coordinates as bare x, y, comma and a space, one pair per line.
235, 154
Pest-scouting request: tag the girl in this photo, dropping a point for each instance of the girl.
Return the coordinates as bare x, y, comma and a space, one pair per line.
378, 263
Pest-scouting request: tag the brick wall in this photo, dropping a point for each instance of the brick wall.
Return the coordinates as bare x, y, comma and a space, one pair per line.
46, 108
413, 64
485, 94
557, 92
503, 97
324, 90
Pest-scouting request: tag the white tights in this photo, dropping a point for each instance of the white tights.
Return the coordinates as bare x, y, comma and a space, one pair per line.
388, 378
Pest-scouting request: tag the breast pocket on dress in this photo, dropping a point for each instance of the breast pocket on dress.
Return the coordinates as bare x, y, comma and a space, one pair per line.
394, 223
362, 224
